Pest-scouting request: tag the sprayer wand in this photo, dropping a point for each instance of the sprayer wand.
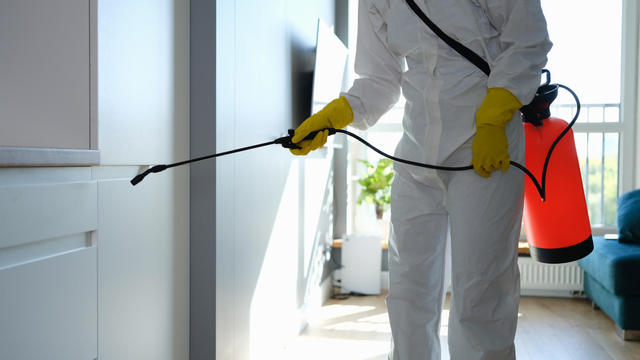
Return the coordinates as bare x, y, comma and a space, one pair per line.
158, 168
285, 141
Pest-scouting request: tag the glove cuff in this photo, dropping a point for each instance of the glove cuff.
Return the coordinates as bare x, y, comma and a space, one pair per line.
343, 113
498, 108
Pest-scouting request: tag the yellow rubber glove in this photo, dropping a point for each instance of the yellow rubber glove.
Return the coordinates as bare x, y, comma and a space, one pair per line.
337, 114
490, 146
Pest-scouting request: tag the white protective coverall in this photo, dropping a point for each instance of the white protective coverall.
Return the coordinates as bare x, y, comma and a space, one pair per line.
443, 92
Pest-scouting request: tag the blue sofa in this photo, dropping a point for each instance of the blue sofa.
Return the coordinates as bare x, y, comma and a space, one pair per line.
612, 270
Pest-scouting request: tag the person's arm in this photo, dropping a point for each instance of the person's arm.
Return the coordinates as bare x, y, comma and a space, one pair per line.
380, 70
372, 95
525, 43
515, 77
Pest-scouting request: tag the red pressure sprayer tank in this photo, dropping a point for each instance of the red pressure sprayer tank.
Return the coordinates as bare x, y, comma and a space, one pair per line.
558, 228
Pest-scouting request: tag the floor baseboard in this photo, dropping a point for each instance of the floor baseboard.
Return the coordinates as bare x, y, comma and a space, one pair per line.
627, 335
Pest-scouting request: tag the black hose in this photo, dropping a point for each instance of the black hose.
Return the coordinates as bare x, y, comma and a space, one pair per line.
557, 140
439, 167
540, 187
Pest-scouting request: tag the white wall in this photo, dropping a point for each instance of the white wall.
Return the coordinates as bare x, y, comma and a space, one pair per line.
143, 230
89, 265
273, 211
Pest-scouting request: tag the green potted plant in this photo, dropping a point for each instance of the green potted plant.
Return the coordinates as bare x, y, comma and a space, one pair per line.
376, 185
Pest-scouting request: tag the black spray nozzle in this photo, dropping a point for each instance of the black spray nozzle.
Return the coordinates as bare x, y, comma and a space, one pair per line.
140, 177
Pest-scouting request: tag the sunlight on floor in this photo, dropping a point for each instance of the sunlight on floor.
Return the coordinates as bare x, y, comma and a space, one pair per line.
354, 329
360, 325
324, 348
329, 312
548, 328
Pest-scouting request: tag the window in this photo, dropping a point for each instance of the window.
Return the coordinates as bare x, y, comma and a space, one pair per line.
588, 59
595, 61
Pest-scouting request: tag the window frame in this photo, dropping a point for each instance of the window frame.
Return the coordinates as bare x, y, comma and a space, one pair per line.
628, 96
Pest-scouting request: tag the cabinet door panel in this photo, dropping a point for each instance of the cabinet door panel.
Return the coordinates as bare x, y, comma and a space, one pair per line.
45, 74
48, 308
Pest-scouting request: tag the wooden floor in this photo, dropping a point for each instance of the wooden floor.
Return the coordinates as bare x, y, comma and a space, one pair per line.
548, 328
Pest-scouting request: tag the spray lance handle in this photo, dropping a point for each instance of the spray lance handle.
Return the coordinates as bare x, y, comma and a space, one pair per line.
286, 142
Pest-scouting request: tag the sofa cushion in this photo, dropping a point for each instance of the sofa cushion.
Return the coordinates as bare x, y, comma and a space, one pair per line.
629, 217
615, 265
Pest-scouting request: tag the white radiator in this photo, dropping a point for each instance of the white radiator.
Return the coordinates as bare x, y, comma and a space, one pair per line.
550, 279
538, 279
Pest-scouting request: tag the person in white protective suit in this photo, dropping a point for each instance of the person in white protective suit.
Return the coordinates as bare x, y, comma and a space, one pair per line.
454, 115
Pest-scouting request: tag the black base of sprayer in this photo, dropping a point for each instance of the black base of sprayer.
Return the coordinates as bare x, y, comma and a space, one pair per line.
562, 255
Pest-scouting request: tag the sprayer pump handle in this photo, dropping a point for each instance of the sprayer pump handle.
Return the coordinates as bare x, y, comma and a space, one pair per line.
286, 142
313, 134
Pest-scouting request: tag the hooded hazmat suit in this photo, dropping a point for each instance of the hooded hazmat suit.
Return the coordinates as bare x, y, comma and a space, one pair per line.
397, 51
